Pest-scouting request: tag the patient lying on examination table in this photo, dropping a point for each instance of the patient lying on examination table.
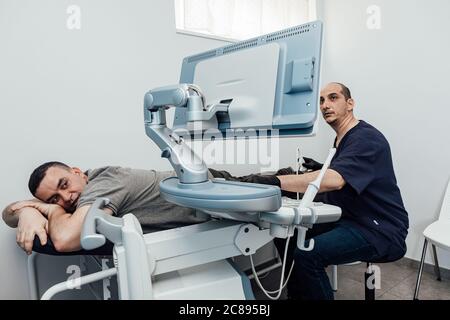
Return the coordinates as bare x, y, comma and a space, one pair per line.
52, 222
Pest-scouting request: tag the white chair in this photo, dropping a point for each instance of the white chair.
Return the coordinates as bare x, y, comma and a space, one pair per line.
438, 233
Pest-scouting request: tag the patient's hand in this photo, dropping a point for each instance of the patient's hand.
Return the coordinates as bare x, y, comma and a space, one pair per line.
31, 223
44, 208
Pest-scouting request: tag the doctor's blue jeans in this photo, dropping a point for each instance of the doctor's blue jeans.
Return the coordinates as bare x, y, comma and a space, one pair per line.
334, 244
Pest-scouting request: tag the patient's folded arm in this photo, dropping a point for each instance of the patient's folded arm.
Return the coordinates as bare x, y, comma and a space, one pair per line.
10, 216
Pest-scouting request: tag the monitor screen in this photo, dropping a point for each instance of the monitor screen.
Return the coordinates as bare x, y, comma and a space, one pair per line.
269, 83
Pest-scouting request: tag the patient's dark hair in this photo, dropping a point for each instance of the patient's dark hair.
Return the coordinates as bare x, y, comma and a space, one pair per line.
39, 173
345, 91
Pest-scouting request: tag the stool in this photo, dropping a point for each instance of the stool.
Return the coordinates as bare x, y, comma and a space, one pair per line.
369, 275
369, 290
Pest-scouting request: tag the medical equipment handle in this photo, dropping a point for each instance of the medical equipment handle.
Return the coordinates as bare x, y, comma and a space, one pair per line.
98, 224
307, 201
314, 186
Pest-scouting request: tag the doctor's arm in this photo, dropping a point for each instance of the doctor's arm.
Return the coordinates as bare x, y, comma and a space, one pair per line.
331, 181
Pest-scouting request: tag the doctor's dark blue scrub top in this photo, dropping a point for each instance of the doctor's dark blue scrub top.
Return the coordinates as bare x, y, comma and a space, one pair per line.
370, 200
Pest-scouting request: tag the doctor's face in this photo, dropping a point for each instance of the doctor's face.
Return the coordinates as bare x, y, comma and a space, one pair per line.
62, 186
333, 104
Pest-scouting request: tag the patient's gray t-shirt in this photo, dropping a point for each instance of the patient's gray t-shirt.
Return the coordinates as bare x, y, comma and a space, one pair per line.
136, 191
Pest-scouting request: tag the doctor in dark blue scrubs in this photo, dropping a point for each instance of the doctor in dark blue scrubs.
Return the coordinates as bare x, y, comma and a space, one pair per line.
361, 181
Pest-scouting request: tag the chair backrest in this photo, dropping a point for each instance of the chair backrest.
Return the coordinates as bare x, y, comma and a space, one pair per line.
445, 209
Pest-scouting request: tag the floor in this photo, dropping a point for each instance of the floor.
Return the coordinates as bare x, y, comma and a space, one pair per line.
398, 280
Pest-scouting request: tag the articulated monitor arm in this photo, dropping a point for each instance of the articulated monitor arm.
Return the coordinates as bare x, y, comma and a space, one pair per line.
188, 166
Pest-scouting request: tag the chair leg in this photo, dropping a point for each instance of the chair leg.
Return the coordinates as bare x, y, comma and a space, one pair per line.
419, 275
32, 276
437, 271
369, 289
334, 281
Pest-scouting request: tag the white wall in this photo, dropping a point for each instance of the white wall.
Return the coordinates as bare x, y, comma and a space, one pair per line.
399, 78
76, 95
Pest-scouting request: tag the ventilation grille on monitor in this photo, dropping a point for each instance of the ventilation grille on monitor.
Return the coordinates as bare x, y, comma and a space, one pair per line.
288, 32
201, 56
251, 43
240, 45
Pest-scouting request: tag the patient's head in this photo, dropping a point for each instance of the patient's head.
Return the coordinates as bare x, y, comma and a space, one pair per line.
57, 183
